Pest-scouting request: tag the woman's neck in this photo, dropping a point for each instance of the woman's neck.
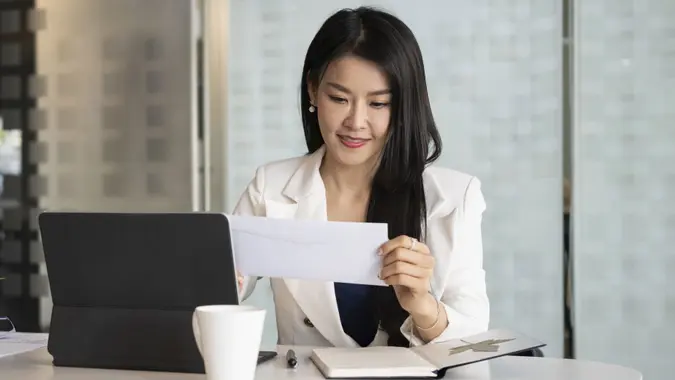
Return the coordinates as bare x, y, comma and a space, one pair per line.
347, 181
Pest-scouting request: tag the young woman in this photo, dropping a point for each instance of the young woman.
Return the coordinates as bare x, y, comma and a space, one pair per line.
371, 136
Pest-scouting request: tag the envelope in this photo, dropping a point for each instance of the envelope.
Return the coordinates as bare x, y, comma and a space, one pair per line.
308, 249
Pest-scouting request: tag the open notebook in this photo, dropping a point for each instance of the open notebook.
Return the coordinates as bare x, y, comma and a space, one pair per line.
428, 361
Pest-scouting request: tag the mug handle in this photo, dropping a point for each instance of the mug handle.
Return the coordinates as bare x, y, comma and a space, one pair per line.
197, 332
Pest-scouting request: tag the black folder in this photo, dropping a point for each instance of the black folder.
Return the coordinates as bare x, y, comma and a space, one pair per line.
124, 286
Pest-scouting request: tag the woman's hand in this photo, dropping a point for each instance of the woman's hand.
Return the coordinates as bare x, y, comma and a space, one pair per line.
240, 281
408, 265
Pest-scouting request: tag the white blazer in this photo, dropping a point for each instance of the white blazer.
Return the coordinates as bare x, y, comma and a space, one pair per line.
307, 312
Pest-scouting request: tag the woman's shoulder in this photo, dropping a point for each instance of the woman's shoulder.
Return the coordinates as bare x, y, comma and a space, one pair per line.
450, 189
274, 176
448, 176
281, 170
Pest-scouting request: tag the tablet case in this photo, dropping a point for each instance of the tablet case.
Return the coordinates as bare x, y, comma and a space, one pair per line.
124, 286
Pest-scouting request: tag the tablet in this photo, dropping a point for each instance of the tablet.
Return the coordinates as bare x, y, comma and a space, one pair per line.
124, 286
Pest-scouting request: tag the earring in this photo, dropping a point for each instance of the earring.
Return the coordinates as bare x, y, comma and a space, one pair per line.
312, 109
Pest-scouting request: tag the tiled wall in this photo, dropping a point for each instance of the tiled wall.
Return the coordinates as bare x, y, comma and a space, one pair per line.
624, 183
494, 70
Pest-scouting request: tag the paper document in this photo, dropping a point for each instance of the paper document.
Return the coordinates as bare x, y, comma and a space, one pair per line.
16, 343
308, 249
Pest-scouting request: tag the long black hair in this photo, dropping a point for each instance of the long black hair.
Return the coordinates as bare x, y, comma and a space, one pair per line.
413, 141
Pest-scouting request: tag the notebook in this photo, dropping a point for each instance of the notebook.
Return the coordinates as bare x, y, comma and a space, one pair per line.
428, 361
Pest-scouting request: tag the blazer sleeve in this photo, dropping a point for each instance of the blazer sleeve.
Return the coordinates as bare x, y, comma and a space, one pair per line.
250, 204
464, 296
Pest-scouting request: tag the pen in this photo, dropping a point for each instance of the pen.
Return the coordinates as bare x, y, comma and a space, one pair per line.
291, 359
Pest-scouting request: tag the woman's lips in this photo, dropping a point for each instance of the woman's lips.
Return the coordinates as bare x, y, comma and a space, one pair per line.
352, 142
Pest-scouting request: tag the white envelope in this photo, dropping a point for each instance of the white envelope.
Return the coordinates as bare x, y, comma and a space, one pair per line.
308, 249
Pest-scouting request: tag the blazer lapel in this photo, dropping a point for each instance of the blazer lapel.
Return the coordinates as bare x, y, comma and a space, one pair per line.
316, 299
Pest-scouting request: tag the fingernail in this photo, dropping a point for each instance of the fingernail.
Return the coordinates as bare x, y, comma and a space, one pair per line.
379, 251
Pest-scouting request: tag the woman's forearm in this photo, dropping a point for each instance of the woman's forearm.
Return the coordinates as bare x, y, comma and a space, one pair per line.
430, 320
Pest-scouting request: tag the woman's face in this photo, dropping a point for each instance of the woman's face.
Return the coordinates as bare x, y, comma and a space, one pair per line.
353, 108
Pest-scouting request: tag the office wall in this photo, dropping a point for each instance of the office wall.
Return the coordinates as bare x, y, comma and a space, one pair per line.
494, 70
116, 113
624, 183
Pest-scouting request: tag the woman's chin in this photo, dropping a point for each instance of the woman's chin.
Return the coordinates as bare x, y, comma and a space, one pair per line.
350, 157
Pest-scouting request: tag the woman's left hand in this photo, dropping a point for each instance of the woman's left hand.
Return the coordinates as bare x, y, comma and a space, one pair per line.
407, 265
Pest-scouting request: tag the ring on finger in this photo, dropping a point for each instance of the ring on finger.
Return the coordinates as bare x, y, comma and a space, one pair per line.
413, 242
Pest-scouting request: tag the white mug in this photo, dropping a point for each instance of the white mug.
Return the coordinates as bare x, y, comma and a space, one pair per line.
228, 338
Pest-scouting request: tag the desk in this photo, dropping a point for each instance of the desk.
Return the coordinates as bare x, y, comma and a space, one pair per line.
36, 365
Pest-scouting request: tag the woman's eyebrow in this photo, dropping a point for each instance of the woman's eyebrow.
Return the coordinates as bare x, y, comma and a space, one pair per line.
344, 89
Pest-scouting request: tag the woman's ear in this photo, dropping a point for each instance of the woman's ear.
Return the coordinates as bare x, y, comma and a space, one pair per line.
311, 91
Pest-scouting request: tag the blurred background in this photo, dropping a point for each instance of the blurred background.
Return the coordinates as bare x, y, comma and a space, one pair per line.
564, 109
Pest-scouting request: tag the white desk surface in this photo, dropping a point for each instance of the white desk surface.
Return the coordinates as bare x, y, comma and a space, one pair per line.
36, 365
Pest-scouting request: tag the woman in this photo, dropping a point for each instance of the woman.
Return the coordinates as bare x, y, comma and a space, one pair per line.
370, 134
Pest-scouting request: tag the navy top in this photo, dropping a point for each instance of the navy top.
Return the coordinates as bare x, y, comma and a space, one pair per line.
357, 312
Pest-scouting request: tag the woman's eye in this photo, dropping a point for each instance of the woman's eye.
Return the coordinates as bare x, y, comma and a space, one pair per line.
337, 99
379, 105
